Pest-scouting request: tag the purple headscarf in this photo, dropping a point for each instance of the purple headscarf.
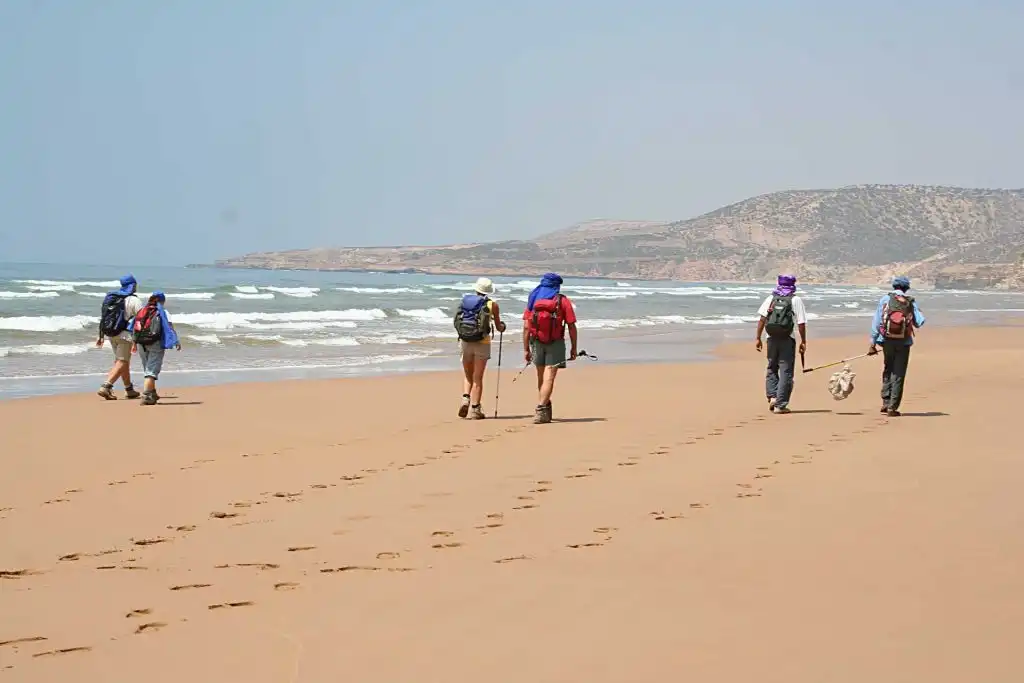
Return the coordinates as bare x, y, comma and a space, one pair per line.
787, 286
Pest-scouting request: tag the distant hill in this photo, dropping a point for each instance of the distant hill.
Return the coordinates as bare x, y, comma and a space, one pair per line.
941, 236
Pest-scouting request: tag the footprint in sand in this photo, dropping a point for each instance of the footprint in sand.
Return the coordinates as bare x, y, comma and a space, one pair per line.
223, 515
441, 546
138, 613
540, 490
661, 515
63, 651
56, 500
319, 486
514, 558
524, 507
286, 586
492, 525
748, 494
151, 626
22, 641
388, 555
578, 475
524, 498
352, 477
763, 475
262, 566
286, 495
627, 463
301, 548
17, 573
443, 533
496, 515
698, 506
226, 605
190, 586
592, 544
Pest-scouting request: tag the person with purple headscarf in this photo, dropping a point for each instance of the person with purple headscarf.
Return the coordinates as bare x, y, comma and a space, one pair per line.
781, 315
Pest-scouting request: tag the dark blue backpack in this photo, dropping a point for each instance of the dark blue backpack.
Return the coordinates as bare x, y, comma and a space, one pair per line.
473, 318
112, 317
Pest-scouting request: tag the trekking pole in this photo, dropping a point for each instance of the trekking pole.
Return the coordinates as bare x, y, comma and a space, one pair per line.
497, 384
520, 373
838, 362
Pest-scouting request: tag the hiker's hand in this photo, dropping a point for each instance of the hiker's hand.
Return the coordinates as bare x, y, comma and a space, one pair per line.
803, 347
872, 350
99, 342
572, 354
177, 347
528, 356
501, 327
135, 348
758, 345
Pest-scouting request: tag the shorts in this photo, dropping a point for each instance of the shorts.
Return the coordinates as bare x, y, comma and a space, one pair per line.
475, 351
122, 348
152, 359
548, 355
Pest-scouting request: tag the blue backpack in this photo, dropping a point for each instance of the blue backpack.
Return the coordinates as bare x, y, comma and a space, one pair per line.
473, 318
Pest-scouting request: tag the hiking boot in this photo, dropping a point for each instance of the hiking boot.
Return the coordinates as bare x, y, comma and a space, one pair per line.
464, 408
781, 410
893, 413
771, 404
107, 392
542, 415
885, 409
476, 413
149, 399
131, 394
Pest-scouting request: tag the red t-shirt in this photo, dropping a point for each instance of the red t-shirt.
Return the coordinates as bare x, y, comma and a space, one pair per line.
568, 312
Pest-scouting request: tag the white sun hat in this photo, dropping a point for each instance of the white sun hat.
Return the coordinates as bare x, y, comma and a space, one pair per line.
484, 286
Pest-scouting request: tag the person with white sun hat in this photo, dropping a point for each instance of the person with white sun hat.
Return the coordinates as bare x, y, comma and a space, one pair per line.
476, 317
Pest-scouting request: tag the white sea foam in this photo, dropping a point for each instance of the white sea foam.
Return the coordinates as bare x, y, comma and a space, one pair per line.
68, 283
381, 290
191, 296
297, 292
246, 289
28, 295
294, 320
247, 295
433, 315
47, 350
205, 338
328, 341
47, 323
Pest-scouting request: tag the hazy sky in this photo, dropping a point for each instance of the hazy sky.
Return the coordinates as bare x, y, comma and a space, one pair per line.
175, 132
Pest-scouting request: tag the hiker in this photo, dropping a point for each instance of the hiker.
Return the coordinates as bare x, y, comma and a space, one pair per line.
152, 335
548, 312
474, 318
119, 306
892, 328
779, 314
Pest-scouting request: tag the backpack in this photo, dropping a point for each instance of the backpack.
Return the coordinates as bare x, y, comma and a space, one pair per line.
548, 322
897, 317
148, 328
780, 319
473, 318
112, 316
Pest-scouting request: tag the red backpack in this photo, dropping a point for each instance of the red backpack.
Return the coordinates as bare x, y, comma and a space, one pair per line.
548, 323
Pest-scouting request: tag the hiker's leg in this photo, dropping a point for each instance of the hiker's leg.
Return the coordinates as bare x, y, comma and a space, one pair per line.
898, 378
152, 362
787, 363
547, 385
116, 372
888, 360
771, 377
477, 392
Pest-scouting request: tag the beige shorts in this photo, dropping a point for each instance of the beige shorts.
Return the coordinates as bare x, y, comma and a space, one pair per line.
122, 348
475, 351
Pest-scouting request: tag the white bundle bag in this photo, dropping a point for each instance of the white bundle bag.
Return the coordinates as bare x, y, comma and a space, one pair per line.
840, 384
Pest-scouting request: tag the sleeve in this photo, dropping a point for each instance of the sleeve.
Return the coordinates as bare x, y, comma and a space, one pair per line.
876, 320
526, 315
568, 311
799, 312
919, 318
763, 311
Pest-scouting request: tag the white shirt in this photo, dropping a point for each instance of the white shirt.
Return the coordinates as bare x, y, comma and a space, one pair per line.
799, 312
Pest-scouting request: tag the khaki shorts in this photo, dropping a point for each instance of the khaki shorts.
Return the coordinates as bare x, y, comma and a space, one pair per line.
122, 348
475, 351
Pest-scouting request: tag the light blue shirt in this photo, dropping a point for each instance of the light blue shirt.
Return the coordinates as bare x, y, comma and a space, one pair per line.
876, 322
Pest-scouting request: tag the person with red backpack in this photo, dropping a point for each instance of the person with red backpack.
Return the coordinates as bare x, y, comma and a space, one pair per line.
152, 334
548, 313
892, 328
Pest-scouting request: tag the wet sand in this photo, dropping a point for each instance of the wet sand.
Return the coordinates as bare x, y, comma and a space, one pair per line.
665, 528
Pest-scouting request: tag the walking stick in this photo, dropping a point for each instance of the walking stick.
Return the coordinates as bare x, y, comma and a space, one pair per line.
497, 384
838, 362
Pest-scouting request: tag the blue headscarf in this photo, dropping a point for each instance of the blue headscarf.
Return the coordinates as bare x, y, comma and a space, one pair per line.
549, 286
128, 285
170, 337
901, 282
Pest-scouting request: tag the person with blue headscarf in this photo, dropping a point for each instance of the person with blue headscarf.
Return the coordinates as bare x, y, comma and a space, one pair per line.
119, 306
152, 353
895, 336
548, 313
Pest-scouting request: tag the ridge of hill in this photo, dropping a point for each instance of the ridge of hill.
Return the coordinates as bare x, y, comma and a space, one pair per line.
946, 237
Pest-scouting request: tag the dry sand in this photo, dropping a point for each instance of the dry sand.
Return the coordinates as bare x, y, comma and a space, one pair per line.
666, 528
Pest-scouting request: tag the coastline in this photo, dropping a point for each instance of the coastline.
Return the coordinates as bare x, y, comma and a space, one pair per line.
312, 527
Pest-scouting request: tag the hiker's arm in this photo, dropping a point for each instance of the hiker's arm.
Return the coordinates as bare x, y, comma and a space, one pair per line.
496, 312
803, 336
572, 339
760, 328
919, 318
526, 340
876, 321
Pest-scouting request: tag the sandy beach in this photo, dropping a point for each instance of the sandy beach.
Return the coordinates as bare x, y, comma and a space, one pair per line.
665, 528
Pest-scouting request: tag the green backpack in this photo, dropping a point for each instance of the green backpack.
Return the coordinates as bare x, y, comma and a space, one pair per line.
780, 319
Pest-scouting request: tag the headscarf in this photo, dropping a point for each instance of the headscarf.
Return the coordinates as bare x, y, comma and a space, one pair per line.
901, 282
550, 285
786, 286
170, 336
128, 285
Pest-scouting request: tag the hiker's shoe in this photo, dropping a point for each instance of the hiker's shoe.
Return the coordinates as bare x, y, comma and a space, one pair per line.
149, 399
106, 392
464, 410
476, 413
781, 410
542, 415
131, 394
893, 413
771, 404
885, 409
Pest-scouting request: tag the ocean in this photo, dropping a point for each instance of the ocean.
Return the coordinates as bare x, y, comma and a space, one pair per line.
239, 325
